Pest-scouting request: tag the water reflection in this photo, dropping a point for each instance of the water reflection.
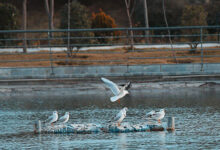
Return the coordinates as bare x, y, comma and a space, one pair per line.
161, 139
138, 98
122, 141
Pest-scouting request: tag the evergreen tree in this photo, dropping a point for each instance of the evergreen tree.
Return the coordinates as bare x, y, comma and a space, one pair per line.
79, 19
193, 15
8, 20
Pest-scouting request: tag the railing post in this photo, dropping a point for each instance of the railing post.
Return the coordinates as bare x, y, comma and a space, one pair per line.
201, 43
171, 124
25, 26
218, 36
37, 127
51, 54
68, 35
127, 35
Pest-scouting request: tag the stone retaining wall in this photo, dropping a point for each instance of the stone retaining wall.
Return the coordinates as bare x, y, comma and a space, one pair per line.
116, 70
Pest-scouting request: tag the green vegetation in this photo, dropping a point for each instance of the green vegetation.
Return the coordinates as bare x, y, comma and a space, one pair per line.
174, 10
112, 14
79, 19
8, 17
213, 17
193, 15
8, 20
79, 16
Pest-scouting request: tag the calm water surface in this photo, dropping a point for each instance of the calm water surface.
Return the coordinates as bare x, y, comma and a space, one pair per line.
196, 111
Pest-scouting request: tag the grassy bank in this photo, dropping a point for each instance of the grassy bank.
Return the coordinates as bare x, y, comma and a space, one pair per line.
109, 57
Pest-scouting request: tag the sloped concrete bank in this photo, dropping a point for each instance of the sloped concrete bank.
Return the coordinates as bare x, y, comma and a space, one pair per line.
157, 71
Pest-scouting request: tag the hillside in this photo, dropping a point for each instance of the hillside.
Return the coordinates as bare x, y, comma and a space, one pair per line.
38, 19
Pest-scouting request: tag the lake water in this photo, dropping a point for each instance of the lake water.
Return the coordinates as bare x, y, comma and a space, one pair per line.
196, 111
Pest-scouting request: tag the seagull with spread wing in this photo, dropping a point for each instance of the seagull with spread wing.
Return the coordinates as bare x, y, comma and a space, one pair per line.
118, 91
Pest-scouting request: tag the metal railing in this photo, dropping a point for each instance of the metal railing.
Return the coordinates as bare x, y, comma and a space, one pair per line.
110, 46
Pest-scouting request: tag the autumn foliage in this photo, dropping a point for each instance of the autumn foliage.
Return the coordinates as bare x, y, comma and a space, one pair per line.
102, 20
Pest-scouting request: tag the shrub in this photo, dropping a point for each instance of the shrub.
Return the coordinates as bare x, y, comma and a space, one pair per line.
8, 20
193, 15
79, 19
102, 20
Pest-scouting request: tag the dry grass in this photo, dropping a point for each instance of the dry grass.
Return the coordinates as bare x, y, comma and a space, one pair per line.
119, 57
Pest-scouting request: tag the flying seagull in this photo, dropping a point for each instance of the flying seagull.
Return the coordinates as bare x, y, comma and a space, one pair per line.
118, 91
120, 116
64, 119
156, 115
53, 118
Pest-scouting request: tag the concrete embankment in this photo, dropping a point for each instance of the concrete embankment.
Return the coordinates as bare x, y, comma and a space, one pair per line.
122, 79
151, 71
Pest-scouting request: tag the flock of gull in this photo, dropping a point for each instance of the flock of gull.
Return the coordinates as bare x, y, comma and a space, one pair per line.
119, 92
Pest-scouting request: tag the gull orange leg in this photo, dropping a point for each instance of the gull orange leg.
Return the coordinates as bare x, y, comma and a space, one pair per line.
119, 101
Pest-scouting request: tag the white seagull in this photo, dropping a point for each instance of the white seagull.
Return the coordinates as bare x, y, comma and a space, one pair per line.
118, 91
64, 119
120, 116
156, 115
53, 118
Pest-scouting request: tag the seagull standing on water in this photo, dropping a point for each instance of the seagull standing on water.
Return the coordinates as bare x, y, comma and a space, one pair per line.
118, 91
64, 119
53, 118
156, 115
120, 116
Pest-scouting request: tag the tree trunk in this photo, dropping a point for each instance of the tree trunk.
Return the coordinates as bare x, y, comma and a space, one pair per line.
169, 34
25, 26
47, 7
68, 42
50, 12
146, 19
128, 4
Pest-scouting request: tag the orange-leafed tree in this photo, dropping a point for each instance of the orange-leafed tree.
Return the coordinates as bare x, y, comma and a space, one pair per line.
102, 20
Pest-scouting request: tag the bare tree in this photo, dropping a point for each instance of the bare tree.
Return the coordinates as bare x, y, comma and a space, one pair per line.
24, 25
169, 33
130, 10
69, 50
50, 12
146, 18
